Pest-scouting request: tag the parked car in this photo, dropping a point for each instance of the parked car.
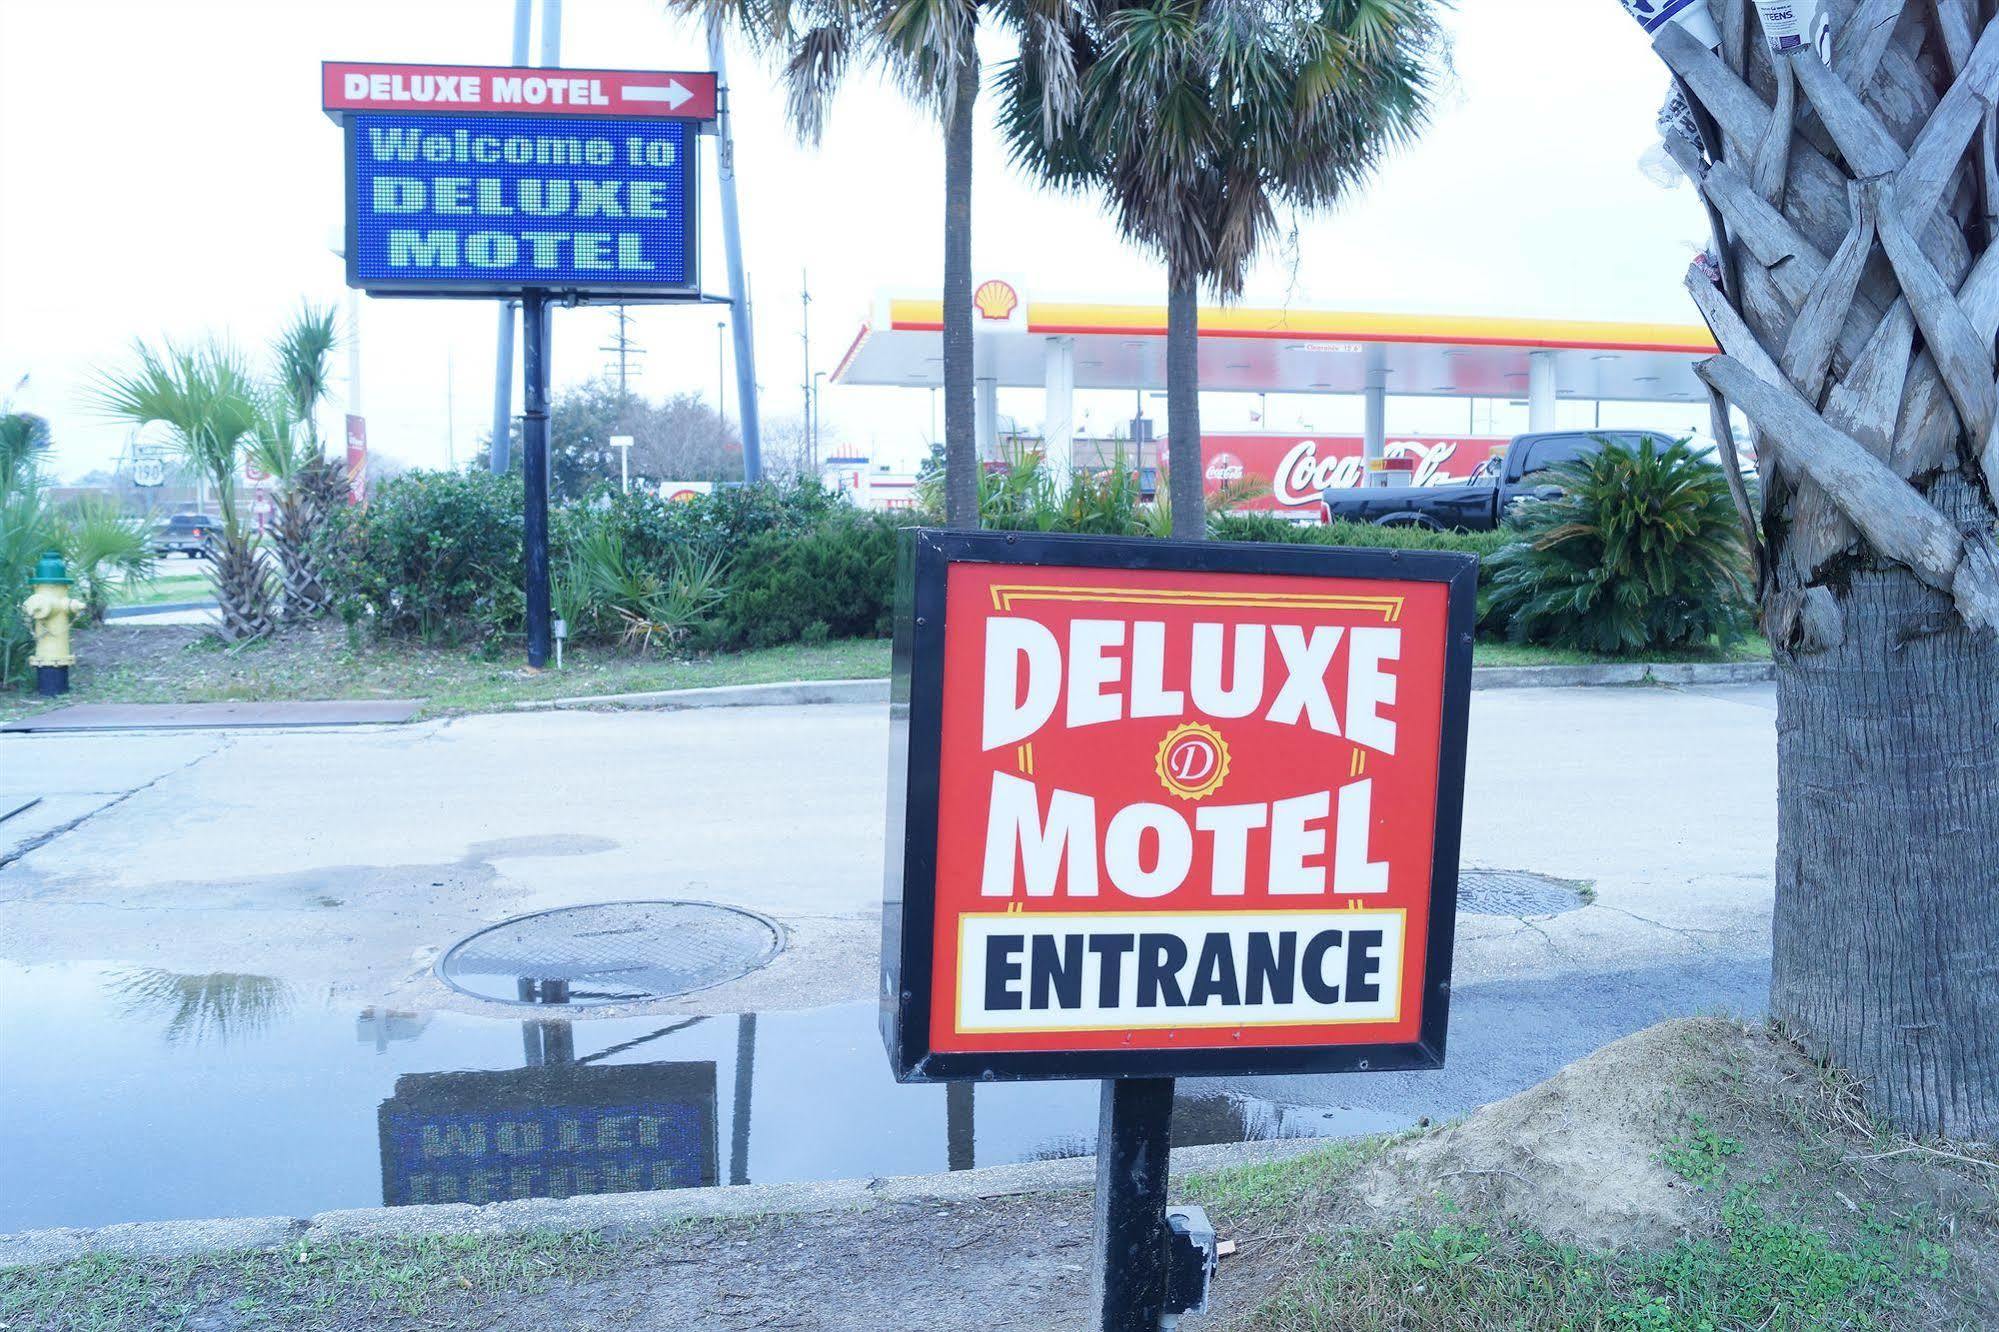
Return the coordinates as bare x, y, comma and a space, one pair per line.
185, 534
1480, 503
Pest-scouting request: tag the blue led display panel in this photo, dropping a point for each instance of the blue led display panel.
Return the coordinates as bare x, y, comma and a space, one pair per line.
478, 204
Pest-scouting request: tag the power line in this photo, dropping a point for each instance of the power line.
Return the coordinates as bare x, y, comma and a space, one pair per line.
624, 347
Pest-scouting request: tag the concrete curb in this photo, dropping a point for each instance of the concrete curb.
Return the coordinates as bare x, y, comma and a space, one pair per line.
785, 693
1622, 673
791, 693
133, 612
608, 1211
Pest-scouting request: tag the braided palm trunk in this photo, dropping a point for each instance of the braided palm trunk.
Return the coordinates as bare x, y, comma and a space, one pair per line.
302, 508
1856, 315
242, 586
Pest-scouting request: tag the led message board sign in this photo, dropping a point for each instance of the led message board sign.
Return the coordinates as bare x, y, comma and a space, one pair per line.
476, 203
1162, 809
473, 181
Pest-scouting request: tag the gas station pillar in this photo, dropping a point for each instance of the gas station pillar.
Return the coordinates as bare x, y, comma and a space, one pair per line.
1540, 390
1058, 428
1374, 428
986, 417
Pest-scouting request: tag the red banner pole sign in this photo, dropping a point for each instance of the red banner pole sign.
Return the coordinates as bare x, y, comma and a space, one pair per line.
1164, 809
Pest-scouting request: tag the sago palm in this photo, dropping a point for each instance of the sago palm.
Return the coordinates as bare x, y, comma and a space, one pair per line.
209, 402
1200, 120
1640, 550
929, 49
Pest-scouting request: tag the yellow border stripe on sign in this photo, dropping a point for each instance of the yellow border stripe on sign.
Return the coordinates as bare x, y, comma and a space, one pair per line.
1006, 594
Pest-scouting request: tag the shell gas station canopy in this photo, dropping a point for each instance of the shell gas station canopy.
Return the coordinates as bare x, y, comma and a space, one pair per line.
1062, 346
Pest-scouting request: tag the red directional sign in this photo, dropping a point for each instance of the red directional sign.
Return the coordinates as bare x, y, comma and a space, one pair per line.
658, 94
1174, 810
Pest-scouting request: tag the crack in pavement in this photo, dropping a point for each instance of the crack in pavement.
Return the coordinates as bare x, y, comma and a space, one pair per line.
34, 844
1686, 930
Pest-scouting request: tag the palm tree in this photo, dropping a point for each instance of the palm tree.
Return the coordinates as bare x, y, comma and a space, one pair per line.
929, 48
27, 528
208, 400
286, 445
1858, 296
1201, 119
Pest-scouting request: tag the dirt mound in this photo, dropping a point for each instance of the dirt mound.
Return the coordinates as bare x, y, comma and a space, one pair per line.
1584, 1155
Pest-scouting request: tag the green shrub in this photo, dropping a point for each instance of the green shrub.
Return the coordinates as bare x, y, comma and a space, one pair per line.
1641, 550
836, 581
1269, 527
433, 555
602, 590
717, 527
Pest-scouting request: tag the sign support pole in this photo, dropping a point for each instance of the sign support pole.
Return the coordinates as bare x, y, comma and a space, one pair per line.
1134, 1138
740, 321
534, 468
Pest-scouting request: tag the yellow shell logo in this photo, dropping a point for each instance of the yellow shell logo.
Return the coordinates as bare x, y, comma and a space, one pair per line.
996, 299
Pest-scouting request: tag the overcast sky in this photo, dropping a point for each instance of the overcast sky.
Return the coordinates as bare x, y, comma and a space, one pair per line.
168, 171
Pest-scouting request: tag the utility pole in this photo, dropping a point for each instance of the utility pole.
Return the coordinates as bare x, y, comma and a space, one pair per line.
503, 368
732, 244
624, 347
721, 374
450, 414
817, 417
805, 340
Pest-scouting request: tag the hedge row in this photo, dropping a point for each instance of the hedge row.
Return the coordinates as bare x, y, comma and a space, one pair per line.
437, 555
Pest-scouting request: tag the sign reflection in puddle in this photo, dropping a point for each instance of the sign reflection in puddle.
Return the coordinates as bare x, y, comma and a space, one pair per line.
139, 1094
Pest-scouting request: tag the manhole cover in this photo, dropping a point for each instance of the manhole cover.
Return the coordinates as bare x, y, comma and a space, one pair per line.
1484, 892
612, 953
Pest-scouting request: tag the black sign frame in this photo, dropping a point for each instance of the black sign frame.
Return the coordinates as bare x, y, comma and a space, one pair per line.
606, 293
916, 710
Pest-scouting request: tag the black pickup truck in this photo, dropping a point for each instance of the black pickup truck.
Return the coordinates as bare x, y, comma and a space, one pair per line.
1479, 503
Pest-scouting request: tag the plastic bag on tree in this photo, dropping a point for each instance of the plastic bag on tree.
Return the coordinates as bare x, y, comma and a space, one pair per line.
1675, 117
1692, 15
1791, 25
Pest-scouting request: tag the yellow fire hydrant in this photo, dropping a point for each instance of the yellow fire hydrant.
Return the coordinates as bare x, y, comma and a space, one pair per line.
48, 609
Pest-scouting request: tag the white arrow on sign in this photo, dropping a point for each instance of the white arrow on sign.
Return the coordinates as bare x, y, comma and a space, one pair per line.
673, 94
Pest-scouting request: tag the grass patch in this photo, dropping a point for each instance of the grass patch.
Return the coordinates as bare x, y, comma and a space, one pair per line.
357, 1283
1278, 1185
160, 664
183, 664
1490, 653
1759, 1272
164, 590
1764, 1200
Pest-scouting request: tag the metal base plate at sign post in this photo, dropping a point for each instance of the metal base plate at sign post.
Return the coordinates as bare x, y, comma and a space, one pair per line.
1134, 1143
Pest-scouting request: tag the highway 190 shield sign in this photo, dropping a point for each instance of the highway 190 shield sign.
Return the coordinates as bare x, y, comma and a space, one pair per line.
1162, 809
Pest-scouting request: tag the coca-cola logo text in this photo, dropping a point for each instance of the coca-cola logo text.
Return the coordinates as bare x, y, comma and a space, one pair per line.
1302, 474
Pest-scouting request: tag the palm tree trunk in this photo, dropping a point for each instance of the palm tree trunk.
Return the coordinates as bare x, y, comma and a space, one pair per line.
961, 449
1187, 467
1883, 580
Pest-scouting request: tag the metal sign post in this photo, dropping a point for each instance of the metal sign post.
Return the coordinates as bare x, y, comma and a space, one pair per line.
1163, 810
534, 468
1134, 1142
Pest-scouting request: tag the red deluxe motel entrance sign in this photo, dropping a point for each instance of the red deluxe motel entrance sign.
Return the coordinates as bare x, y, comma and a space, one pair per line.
1167, 809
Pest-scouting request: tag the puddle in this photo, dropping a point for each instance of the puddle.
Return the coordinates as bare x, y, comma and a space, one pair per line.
136, 1094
